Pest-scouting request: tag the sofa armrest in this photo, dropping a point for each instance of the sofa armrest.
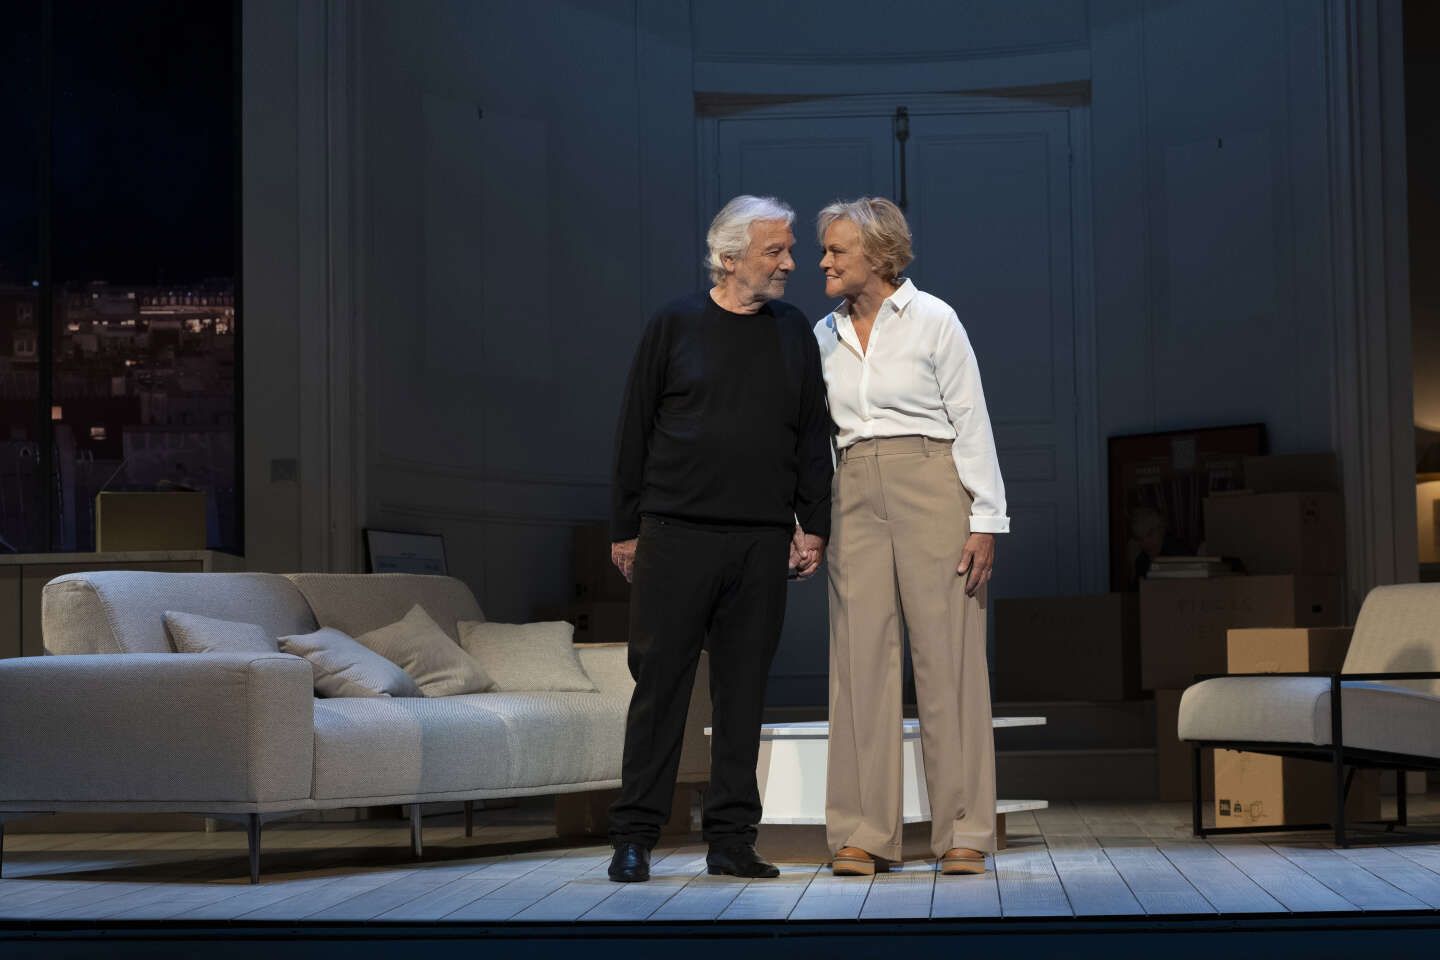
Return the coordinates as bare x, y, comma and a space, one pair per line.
166, 728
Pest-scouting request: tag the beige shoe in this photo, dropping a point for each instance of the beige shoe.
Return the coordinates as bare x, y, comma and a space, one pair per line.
961, 860
854, 862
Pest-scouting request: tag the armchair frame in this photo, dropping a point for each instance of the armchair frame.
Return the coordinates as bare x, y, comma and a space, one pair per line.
1335, 753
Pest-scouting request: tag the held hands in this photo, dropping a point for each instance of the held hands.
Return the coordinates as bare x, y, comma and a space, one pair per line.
806, 551
622, 554
977, 560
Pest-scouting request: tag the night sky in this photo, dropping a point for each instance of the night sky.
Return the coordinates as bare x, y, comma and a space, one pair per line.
144, 140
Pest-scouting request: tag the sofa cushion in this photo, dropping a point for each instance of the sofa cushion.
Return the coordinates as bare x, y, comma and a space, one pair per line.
1297, 710
121, 611
483, 741
560, 738
608, 665
345, 668
380, 747
192, 633
360, 602
417, 645
526, 656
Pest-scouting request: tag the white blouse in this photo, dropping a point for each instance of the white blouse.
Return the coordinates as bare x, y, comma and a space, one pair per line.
918, 377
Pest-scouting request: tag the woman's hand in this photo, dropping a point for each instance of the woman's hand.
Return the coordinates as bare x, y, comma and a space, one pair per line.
806, 551
977, 560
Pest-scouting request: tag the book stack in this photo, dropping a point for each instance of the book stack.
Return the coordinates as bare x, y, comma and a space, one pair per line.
1170, 568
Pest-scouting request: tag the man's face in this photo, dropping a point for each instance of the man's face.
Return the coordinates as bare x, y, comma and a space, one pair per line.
762, 271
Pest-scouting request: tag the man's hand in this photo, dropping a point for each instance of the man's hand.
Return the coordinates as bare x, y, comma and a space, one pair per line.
806, 552
622, 554
813, 552
977, 560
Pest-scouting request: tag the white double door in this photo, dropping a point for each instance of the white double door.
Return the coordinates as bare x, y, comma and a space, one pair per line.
988, 190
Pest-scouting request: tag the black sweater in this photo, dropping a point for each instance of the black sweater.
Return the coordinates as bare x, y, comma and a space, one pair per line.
724, 421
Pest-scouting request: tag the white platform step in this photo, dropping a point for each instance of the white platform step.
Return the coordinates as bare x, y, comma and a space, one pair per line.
794, 758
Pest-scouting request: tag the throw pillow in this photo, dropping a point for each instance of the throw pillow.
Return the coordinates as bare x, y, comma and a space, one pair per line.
417, 645
526, 656
192, 633
344, 668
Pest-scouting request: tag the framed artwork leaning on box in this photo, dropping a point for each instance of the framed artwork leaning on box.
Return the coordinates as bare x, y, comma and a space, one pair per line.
1158, 484
394, 551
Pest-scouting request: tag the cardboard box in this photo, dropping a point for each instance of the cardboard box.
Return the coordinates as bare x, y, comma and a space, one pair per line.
1067, 648
596, 578
1172, 755
144, 520
1297, 649
603, 622
1183, 621
1286, 650
1257, 790
1278, 532
1295, 471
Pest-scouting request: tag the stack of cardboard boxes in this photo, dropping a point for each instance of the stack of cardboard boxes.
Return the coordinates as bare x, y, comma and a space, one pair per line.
1284, 536
1067, 648
1183, 628
1257, 790
1074, 660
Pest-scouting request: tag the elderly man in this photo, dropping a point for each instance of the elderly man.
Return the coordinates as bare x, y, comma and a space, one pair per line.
722, 481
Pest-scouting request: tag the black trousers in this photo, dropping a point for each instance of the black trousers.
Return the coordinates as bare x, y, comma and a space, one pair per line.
694, 586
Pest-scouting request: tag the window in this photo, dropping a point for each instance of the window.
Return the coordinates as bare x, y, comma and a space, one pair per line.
22, 517
119, 224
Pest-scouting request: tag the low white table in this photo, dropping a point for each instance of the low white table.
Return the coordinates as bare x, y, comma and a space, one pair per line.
791, 772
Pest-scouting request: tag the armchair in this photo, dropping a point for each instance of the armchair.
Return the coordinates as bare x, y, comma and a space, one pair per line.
1381, 711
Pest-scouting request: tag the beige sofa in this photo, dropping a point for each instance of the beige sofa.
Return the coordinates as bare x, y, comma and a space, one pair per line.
118, 722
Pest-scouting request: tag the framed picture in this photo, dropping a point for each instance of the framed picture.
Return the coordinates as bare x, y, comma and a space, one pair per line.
392, 551
1158, 484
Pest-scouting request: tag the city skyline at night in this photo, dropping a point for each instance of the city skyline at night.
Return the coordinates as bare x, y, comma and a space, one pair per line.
119, 209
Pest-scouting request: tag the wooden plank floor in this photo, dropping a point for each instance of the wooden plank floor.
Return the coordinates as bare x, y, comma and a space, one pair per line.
1073, 860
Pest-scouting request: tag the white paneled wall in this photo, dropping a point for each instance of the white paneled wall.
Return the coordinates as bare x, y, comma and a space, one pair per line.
506, 189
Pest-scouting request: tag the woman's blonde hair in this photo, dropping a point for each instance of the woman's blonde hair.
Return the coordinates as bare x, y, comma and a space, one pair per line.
884, 234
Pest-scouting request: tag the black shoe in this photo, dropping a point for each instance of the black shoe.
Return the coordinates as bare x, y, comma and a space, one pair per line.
631, 863
739, 860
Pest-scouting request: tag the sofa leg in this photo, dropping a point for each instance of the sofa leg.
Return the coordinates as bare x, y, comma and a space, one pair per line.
252, 832
1402, 783
2, 848
469, 818
416, 847
1197, 824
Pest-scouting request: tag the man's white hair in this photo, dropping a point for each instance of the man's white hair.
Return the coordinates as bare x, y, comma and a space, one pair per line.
729, 233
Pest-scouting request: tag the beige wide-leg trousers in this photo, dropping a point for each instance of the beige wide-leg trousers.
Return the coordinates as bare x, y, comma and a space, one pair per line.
900, 519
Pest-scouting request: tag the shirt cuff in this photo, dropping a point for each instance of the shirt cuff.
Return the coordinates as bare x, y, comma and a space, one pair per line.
989, 524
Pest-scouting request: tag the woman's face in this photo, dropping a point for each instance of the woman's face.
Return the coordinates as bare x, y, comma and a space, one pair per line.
847, 270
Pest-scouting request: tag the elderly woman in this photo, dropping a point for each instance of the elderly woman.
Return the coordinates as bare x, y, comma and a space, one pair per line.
917, 502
